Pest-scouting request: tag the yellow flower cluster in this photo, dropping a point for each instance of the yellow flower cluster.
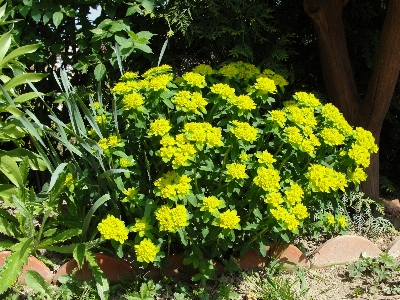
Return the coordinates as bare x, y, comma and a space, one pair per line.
281, 214
203, 133
244, 131
244, 156
129, 76
180, 149
307, 99
274, 198
324, 179
363, 147
224, 90
229, 219
265, 85
122, 88
265, 158
132, 101
141, 226
278, 79
157, 70
101, 119
357, 176
69, 180
332, 114
146, 251
111, 142
112, 228
172, 219
159, 82
236, 171
240, 70
130, 193
300, 211
172, 185
211, 204
195, 79
203, 70
190, 102
332, 136
301, 116
125, 162
278, 116
160, 127
267, 179
360, 155
294, 194
296, 139
243, 102
96, 105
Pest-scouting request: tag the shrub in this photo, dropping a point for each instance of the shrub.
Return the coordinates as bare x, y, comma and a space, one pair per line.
208, 164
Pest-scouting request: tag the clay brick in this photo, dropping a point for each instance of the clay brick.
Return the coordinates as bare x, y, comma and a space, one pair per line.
394, 248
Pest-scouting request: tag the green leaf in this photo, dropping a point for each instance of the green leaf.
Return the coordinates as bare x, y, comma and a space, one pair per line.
98, 274
148, 5
26, 97
57, 18
18, 52
35, 160
13, 265
162, 51
145, 35
133, 9
56, 174
117, 26
47, 17
5, 42
91, 211
6, 191
61, 237
36, 282
79, 254
99, 71
3, 10
22, 78
36, 16
143, 47
10, 168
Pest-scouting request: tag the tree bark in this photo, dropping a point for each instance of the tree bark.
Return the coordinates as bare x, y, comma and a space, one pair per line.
326, 16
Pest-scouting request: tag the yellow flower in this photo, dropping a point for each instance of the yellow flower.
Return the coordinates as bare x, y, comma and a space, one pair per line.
96, 105
172, 219
279, 80
291, 222
69, 180
244, 156
172, 185
308, 99
224, 90
103, 144
244, 131
365, 139
237, 171
159, 127
330, 219
342, 221
101, 119
130, 193
129, 76
293, 135
229, 219
332, 114
265, 85
332, 136
278, 116
113, 141
203, 69
157, 70
265, 158
211, 204
267, 179
274, 198
160, 82
294, 194
243, 102
194, 79
141, 226
357, 176
132, 101
125, 162
324, 179
300, 211
146, 251
112, 228
360, 155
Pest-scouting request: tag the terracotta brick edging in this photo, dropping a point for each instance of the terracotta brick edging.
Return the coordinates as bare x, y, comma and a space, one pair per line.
336, 251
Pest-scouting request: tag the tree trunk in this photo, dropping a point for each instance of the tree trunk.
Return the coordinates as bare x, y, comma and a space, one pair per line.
339, 80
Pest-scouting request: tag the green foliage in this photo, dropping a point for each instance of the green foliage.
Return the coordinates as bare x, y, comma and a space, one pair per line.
382, 269
360, 211
148, 290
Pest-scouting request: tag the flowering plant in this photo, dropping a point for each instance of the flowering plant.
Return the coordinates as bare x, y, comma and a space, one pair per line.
208, 163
